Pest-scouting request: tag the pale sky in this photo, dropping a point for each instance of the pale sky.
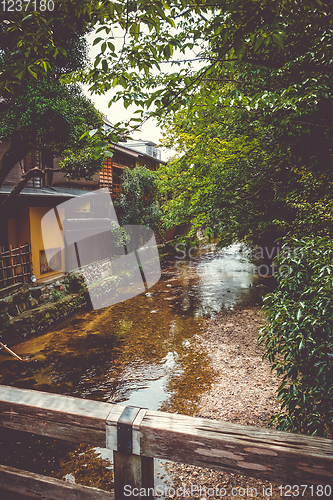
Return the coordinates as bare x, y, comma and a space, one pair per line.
117, 112
149, 131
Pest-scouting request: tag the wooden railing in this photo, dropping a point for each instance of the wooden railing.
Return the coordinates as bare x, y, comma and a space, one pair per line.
137, 436
15, 265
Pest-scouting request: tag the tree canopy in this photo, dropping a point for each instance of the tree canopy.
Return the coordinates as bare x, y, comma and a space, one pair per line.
219, 34
37, 111
254, 137
247, 175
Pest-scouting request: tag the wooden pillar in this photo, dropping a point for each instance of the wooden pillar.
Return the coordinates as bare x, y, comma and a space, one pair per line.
11, 263
21, 262
133, 474
2, 270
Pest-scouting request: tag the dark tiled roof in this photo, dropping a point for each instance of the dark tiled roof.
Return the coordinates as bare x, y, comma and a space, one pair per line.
46, 192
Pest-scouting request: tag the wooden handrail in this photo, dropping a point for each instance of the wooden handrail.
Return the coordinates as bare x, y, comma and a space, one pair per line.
42, 487
267, 454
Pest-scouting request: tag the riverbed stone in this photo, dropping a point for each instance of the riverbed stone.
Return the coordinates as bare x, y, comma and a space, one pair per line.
35, 292
23, 293
12, 310
33, 302
3, 306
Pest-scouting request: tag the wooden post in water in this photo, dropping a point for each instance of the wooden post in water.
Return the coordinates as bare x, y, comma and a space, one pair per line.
132, 471
132, 474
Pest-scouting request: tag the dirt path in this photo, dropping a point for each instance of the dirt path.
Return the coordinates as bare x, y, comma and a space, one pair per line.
244, 391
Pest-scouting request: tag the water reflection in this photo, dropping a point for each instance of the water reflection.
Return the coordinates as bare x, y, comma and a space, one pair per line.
142, 352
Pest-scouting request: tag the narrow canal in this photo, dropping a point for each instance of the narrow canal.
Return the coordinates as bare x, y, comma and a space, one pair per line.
141, 352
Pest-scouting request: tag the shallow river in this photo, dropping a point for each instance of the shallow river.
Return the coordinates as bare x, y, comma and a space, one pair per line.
143, 352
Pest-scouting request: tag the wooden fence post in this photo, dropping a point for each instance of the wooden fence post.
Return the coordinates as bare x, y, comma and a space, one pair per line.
133, 473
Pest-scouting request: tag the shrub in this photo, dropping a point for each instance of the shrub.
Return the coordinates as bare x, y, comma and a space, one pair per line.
137, 203
57, 295
298, 336
75, 284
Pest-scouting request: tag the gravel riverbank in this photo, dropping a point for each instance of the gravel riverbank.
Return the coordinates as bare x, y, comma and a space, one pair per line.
244, 392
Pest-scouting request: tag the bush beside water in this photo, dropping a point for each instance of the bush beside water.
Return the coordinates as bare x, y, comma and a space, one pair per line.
298, 336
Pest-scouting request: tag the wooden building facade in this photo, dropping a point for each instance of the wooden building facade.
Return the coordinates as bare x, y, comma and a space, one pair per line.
22, 226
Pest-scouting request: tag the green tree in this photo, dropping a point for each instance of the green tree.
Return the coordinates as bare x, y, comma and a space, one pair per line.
219, 34
137, 203
34, 41
254, 137
43, 115
244, 174
39, 112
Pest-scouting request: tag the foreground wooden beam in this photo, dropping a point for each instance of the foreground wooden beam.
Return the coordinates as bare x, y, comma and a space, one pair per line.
48, 488
275, 456
62, 417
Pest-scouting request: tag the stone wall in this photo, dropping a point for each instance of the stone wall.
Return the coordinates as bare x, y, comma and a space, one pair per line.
27, 309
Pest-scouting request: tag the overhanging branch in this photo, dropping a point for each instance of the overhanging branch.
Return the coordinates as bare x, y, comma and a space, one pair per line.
34, 172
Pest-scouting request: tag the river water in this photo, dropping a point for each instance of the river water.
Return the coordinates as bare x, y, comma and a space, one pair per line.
141, 352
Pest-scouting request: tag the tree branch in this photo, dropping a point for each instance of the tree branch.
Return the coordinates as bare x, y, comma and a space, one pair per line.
15, 152
35, 172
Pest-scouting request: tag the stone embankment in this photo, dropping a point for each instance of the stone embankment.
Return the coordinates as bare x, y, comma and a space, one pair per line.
30, 308
26, 309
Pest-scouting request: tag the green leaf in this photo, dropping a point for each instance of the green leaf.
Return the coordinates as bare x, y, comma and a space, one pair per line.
258, 42
83, 135
20, 75
63, 51
105, 65
32, 72
279, 41
229, 66
97, 40
239, 48
110, 9
26, 18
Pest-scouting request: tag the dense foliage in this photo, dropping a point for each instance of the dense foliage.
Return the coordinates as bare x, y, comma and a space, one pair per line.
47, 114
298, 336
217, 34
235, 173
252, 124
136, 204
254, 139
36, 110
